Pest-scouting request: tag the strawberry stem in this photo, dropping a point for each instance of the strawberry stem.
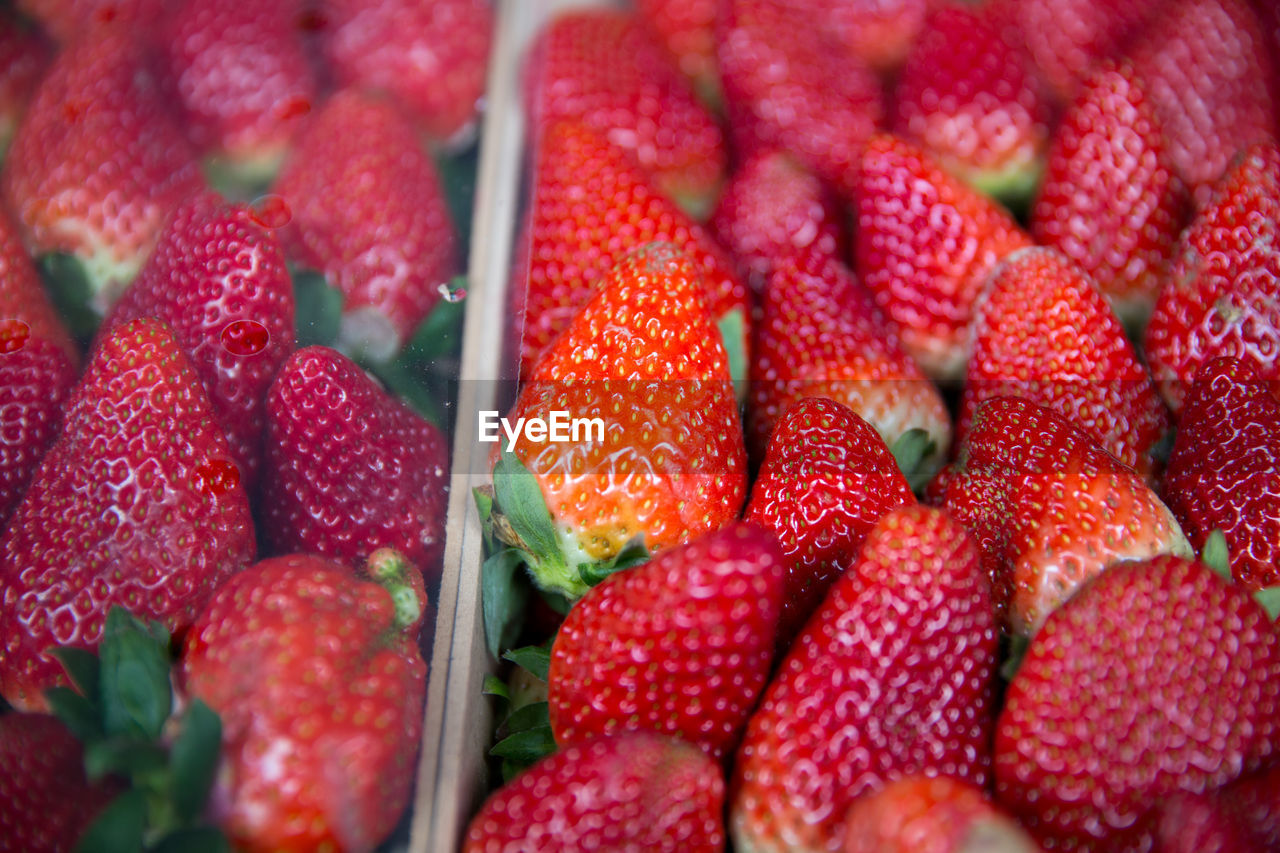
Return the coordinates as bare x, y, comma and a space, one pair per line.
391, 570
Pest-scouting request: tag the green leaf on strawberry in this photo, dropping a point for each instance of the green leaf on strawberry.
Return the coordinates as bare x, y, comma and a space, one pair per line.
135, 691
119, 828
503, 597
193, 759
536, 659
68, 285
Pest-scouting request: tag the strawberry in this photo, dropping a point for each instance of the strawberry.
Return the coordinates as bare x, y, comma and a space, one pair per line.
317, 677
826, 480
136, 503
1110, 200
633, 791
820, 336
350, 468
1200, 823
643, 104
1255, 801
45, 800
688, 29
794, 86
680, 645
971, 99
591, 205
242, 78
892, 676
925, 244
66, 20
38, 367
940, 814
368, 212
666, 460
24, 56
1049, 507
1224, 471
1043, 331
879, 32
1222, 298
97, 164
1206, 67
217, 277
431, 55
1156, 677
772, 207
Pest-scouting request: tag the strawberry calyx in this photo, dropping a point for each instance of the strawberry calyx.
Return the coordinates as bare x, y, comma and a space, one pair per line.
66, 280
122, 709
390, 570
1217, 557
524, 734
911, 451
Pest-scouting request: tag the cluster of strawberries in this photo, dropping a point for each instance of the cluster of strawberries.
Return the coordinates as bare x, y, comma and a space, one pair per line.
219, 218
989, 561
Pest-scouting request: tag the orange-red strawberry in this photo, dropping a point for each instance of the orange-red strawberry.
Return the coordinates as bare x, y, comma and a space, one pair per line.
1043, 331
136, 503
687, 28
316, 674
1049, 507
217, 277
38, 367
932, 814
827, 478
1157, 677
771, 208
24, 56
242, 79
661, 456
1206, 67
97, 163
432, 55
592, 205
892, 676
647, 792
680, 645
1110, 200
348, 468
577, 71
970, 97
792, 85
368, 212
1224, 471
1222, 298
925, 244
820, 336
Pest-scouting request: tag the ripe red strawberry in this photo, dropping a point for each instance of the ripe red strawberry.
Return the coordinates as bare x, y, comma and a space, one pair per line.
1156, 677
1044, 332
792, 85
970, 98
97, 163
643, 357
647, 792
432, 55
1223, 294
24, 56
242, 79
368, 212
591, 206
879, 32
136, 503
1201, 823
939, 814
925, 244
643, 104
680, 645
1049, 507
827, 478
892, 676
1110, 200
45, 800
317, 677
688, 29
772, 207
38, 367
217, 277
66, 20
350, 468
820, 336
1206, 67
1224, 471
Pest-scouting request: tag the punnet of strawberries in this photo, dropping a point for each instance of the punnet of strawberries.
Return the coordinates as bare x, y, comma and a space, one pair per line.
231, 235
928, 492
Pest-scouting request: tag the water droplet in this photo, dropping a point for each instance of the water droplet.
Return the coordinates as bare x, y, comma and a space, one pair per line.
216, 477
245, 337
270, 211
455, 295
13, 335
